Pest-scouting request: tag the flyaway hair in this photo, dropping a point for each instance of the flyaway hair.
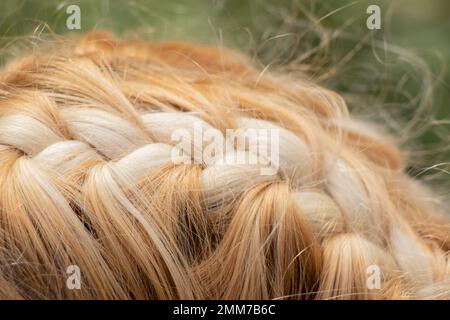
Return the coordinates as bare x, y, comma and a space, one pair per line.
87, 179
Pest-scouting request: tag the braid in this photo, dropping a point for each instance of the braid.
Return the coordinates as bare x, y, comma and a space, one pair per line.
88, 177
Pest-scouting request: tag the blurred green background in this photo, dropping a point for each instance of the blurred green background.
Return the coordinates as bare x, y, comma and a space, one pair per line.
396, 76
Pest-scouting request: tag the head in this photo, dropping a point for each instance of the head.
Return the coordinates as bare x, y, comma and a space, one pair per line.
116, 161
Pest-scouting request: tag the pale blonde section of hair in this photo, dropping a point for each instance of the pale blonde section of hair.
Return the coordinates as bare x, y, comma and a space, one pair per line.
87, 179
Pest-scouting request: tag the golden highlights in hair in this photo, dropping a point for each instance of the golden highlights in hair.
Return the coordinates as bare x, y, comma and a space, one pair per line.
88, 181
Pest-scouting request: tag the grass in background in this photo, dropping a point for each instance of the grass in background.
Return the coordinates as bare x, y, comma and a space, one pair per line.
397, 75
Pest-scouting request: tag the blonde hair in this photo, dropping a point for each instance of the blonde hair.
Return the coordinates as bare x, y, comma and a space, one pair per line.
87, 179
